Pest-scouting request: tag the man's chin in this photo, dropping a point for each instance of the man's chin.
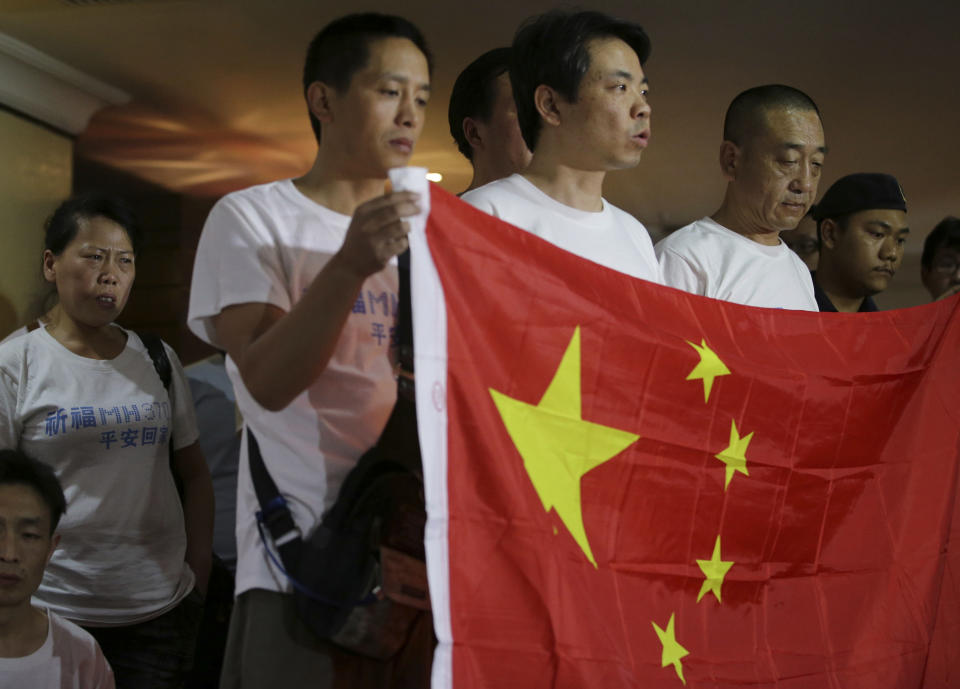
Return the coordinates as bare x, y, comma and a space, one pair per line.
876, 284
397, 159
378, 167
619, 164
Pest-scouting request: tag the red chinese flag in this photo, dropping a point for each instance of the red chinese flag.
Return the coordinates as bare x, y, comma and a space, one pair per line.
631, 486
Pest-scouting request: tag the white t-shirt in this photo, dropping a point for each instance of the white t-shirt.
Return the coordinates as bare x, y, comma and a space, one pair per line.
610, 237
22, 330
265, 245
706, 258
105, 427
69, 659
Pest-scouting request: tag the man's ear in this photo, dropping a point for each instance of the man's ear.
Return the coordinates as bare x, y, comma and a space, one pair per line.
471, 132
546, 100
730, 155
54, 542
49, 269
829, 233
319, 97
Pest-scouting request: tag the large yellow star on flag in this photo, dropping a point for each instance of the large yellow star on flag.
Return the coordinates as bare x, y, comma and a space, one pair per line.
708, 368
735, 455
558, 447
673, 652
714, 570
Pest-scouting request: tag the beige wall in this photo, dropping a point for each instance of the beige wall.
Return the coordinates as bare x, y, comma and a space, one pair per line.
35, 175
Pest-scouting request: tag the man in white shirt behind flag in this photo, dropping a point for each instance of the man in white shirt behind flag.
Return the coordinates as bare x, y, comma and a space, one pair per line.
771, 156
581, 97
297, 281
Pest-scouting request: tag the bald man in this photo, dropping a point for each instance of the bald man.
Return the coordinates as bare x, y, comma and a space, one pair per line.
771, 155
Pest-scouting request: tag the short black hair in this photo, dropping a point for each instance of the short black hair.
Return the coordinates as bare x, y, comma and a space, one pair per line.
552, 49
62, 227
342, 48
745, 114
18, 468
945, 234
473, 94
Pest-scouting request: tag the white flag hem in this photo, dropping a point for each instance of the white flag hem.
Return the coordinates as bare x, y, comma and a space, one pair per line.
430, 365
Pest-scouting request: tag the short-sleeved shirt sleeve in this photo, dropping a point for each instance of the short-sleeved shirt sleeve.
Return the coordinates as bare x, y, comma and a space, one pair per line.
237, 262
184, 431
11, 360
680, 273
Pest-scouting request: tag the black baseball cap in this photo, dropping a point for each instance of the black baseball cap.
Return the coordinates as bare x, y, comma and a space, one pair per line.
860, 192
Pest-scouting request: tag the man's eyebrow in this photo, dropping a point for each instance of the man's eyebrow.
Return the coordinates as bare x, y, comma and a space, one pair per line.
887, 226
392, 76
799, 147
624, 74
29, 521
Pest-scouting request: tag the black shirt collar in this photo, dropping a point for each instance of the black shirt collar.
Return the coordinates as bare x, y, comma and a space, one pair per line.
824, 303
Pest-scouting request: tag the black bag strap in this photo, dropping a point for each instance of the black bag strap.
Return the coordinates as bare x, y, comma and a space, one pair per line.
158, 355
274, 512
161, 363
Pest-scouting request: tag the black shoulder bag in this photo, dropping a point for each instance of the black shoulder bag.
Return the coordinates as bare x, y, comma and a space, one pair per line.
359, 578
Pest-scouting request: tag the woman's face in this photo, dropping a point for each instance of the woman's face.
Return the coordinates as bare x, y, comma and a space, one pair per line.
94, 273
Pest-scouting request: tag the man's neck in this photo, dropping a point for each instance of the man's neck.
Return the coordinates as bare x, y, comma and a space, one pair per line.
839, 294
580, 189
324, 183
23, 629
483, 174
732, 216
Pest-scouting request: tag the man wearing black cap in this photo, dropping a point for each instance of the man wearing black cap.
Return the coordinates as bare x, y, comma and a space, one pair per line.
581, 97
483, 119
862, 223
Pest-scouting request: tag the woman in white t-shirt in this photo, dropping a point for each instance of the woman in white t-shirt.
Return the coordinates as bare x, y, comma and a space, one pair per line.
83, 395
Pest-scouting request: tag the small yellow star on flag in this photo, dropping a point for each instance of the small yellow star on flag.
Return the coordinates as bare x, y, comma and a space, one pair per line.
558, 447
709, 367
735, 455
673, 652
714, 570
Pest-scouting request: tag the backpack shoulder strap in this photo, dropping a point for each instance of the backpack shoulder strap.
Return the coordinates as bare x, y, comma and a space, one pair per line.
158, 355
